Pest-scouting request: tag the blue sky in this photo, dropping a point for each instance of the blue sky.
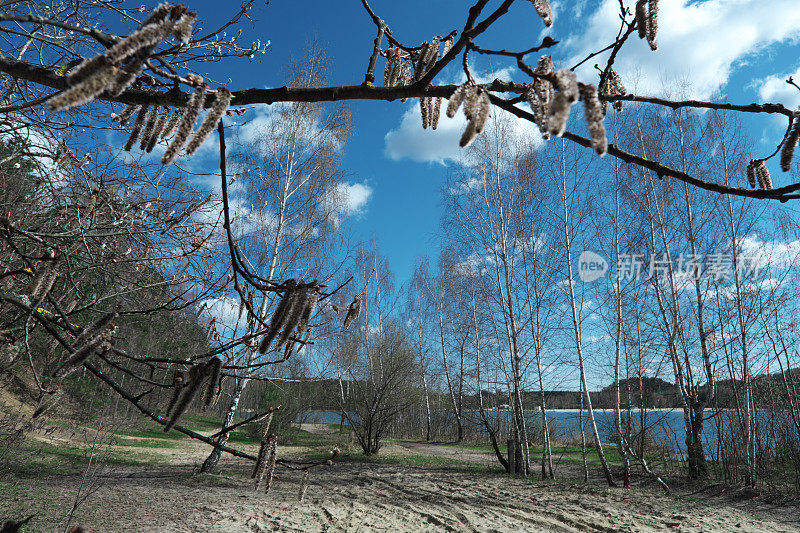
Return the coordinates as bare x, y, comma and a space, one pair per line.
739, 50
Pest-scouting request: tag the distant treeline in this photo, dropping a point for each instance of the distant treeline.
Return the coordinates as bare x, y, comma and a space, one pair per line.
769, 391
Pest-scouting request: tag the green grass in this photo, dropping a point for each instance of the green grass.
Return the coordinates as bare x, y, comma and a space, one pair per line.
155, 433
37, 460
147, 443
241, 437
48, 505
299, 437
202, 423
416, 460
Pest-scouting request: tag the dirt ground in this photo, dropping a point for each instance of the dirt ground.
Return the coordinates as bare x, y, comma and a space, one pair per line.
353, 495
377, 497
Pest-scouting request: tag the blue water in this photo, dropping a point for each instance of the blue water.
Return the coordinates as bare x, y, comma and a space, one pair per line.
666, 428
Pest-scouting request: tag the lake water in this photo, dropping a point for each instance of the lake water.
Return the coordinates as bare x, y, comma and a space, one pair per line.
665, 427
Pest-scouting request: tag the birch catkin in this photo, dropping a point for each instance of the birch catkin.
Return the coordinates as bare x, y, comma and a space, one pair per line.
154, 136
183, 28
214, 115
44, 279
279, 315
594, 118
294, 314
652, 24
787, 152
144, 37
137, 127
455, 100
186, 124
353, 311
558, 111
437, 106
543, 10
177, 386
85, 91
126, 114
762, 174
147, 134
193, 383
173, 121
213, 370
751, 174
641, 18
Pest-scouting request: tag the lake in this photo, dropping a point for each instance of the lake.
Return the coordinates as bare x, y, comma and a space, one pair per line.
666, 427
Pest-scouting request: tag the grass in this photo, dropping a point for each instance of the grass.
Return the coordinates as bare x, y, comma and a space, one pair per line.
48, 505
155, 433
414, 460
565, 454
299, 437
37, 459
147, 443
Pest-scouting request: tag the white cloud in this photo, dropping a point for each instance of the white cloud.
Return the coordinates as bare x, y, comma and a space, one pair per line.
784, 254
774, 89
409, 140
701, 42
352, 197
225, 310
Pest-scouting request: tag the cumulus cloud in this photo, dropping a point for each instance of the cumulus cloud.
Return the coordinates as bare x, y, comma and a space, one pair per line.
225, 310
409, 140
774, 89
352, 197
700, 42
775, 254
347, 199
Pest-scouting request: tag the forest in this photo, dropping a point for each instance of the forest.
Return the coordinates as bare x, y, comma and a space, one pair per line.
202, 326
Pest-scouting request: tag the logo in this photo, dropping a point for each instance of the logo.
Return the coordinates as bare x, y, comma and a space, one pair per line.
591, 266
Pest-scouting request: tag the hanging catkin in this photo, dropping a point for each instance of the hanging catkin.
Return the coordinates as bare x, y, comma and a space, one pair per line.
455, 100
214, 115
762, 175
641, 18
652, 24
183, 28
544, 11
137, 127
154, 136
126, 114
594, 118
279, 315
787, 152
177, 386
186, 124
150, 126
195, 379
213, 370
85, 91
45, 278
101, 331
353, 311
294, 314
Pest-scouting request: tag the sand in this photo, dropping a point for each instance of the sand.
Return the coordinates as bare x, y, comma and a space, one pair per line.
382, 497
353, 495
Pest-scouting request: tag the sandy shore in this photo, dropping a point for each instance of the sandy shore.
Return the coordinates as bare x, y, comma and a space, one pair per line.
354, 495
371, 497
